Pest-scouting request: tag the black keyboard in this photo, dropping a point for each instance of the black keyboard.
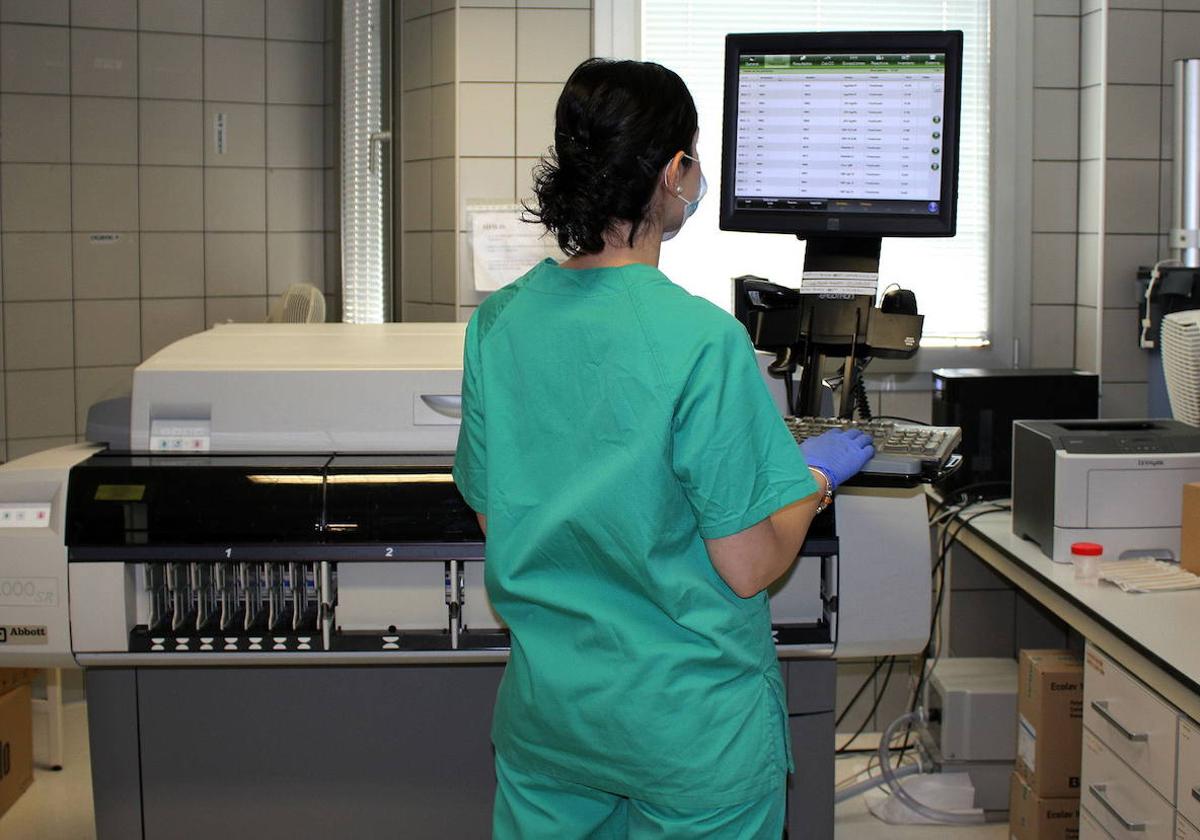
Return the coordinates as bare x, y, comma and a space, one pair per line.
901, 449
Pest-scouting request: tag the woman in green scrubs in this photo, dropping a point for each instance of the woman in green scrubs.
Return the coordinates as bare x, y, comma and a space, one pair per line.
639, 491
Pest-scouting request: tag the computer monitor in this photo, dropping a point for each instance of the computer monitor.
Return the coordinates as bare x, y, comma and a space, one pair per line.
841, 134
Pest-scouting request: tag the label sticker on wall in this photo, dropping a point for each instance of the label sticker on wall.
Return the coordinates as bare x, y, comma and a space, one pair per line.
104, 238
219, 132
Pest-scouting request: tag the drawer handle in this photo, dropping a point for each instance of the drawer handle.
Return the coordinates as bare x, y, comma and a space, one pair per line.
1196, 793
1101, 708
1100, 791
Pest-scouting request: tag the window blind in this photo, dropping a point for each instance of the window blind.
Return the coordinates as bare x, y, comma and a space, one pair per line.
949, 276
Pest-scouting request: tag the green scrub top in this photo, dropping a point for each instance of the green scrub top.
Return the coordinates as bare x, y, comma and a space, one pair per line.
612, 422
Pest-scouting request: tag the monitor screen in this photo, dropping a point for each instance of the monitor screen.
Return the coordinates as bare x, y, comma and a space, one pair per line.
841, 133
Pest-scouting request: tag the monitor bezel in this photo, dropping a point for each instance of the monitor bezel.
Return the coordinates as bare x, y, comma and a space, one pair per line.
808, 224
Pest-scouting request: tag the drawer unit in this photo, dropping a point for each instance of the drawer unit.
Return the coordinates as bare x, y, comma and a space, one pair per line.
1184, 830
1137, 725
1119, 799
1187, 794
1090, 828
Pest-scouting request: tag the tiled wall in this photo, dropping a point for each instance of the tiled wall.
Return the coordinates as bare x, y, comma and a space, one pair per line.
1126, 110
123, 225
508, 63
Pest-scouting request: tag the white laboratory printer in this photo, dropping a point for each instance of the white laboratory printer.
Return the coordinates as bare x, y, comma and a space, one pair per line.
277, 593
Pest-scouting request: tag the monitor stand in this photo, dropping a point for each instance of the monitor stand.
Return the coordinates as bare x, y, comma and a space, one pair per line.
836, 325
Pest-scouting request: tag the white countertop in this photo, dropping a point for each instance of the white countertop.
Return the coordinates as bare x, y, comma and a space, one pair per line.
1162, 626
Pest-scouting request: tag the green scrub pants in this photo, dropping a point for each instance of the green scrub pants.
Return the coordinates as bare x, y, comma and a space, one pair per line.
533, 806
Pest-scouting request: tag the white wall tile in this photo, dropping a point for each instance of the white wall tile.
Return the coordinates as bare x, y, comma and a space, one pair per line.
237, 310
416, 65
103, 63
294, 135
1091, 185
1086, 339
171, 66
245, 137
1091, 126
1091, 49
171, 132
93, 385
166, 321
441, 5
172, 265
1181, 34
1053, 264
525, 178
416, 128
1131, 203
443, 275
234, 200
54, 12
107, 332
234, 70
1057, 7
38, 336
416, 279
295, 73
104, 130
1055, 124
1122, 399
37, 266
415, 197
487, 45
442, 186
915, 405
1054, 196
444, 49
1133, 121
246, 18
104, 198
36, 129
294, 258
35, 197
172, 198
1128, 61
296, 20
486, 120
105, 266
108, 14
1055, 52
295, 200
39, 404
170, 15
1053, 336
1166, 189
442, 118
551, 43
484, 180
1121, 358
1088, 282
535, 118
235, 263
414, 8
1123, 254
34, 59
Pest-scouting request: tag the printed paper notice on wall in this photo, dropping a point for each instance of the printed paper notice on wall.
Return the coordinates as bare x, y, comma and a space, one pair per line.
502, 246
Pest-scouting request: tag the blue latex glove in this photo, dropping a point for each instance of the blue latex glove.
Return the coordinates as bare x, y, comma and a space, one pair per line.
839, 453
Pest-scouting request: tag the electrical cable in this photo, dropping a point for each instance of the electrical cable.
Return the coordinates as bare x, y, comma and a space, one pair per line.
850, 703
870, 715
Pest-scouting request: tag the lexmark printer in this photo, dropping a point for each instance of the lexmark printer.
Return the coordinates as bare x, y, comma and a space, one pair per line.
245, 582
1118, 483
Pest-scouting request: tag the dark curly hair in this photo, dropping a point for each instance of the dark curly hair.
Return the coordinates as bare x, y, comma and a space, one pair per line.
616, 125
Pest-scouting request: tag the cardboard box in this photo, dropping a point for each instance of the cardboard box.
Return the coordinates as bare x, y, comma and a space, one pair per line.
1050, 721
16, 745
1189, 532
13, 677
1031, 817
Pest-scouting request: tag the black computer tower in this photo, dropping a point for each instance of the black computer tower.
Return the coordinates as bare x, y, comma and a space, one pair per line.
986, 402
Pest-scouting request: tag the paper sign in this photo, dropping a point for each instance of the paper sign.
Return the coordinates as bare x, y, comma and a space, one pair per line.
839, 283
503, 247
